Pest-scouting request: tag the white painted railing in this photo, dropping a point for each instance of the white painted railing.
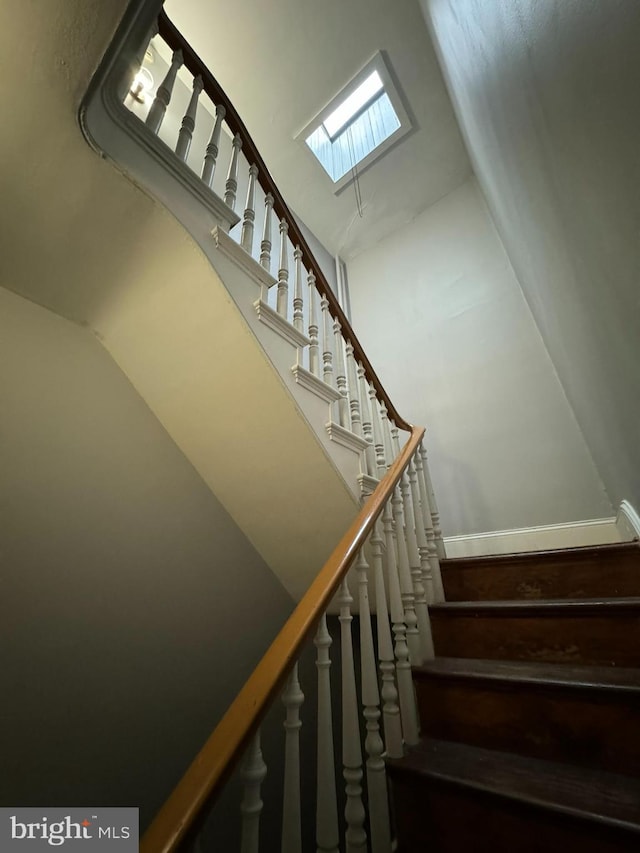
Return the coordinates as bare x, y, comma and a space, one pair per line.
330, 359
394, 546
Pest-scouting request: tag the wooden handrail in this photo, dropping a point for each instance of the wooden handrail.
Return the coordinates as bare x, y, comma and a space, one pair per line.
217, 758
196, 66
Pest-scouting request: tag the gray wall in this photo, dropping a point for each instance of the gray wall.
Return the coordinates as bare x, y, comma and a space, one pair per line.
546, 94
133, 606
467, 361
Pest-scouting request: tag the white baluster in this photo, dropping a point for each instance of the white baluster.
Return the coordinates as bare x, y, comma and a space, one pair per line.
292, 699
341, 375
231, 187
435, 515
327, 834
298, 316
211, 155
265, 245
246, 239
367, 433
378, 440
434, 562
421, 536
314, 354
415, 565
327, 353
374, 747
356, 837
282, 302
390, 707
163, 95
253, 772
354, 395
386, 434
408, 711
189, 120
406, 583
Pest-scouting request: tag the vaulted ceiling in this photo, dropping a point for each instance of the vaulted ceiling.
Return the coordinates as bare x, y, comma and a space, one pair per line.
281, 62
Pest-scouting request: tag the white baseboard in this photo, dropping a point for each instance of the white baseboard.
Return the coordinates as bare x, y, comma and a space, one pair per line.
597, 531
628, 522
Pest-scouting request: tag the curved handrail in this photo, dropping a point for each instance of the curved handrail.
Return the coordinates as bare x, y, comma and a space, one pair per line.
216, 759
196, 66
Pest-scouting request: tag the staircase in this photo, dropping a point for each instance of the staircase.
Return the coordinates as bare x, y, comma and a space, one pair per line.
530, 710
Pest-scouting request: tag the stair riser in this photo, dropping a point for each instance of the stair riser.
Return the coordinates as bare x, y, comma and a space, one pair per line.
594, 577
444, 818
597, 728
589, 639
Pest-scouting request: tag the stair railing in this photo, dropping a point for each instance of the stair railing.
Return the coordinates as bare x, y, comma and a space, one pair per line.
300, 304
394, 545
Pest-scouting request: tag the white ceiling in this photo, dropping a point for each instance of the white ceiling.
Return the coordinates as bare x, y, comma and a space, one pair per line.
282, 61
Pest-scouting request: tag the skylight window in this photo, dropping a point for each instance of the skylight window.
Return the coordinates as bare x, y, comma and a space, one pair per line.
358, 125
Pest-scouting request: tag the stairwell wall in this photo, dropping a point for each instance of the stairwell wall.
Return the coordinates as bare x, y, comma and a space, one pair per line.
545, 93
127, 588
439, 309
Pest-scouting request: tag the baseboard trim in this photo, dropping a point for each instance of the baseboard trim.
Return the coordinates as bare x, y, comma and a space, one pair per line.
628, 522
596, 531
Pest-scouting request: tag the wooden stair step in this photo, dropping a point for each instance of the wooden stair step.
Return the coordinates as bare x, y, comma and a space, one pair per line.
586, 715
452, 797
591, 572
603, 631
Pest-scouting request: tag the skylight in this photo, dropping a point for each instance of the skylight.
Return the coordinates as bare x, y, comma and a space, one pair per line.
358, 125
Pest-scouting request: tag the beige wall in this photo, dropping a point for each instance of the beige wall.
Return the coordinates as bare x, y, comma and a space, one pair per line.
133, 606
546, 94
439, 311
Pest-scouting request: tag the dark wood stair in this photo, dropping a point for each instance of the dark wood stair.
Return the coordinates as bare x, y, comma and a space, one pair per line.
530, 712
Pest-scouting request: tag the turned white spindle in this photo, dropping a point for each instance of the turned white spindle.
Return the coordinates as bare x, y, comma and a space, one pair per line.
213, 148
435, 515
253, 772
378, 440
246, 239
421, 536
327, 331
415, 566
298, 303
265, 245
189, 120
355, 415
365, 412
314, 348
354, 813
406, 582
386, 658
386, 434
292, 699
406, 695
282, 300
163, 95
231, 187
341, 375
327, 832
374, 747
434, 560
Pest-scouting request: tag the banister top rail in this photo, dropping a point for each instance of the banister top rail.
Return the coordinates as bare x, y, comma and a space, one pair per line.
171, 35
218, 756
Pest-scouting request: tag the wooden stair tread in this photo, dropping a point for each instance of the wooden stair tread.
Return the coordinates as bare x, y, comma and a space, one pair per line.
558, 554
607, 798
540, 607
582, 676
